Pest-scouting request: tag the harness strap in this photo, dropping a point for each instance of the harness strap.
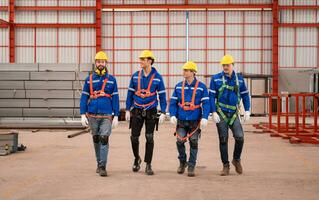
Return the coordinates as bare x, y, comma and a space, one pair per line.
140, 92
189, 105
100, 93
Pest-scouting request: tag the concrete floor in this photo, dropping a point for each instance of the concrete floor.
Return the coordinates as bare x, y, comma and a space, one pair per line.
55, 167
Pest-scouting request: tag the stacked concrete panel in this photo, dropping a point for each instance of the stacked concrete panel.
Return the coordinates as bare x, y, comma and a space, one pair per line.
41, 90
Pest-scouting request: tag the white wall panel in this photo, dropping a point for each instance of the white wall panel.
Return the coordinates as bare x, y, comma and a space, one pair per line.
286, 36
46, 55
306, 57
139, 43
68, 36
47, 2
307, 36
297, 2
286, 56
46, 36
4, 54
87, 37
68, 55
4, 15
24, 17
24, 36
87, 55
25, 2
159, 43
4, 2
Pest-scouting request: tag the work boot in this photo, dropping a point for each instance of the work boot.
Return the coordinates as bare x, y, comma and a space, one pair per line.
148, 169
137, 164
182, 167
97, 169
191, 171
225, 171
102, 171
238, 167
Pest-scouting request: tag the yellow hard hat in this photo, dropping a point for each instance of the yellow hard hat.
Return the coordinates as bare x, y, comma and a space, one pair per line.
226, 60
147, 54
190, 65
101, 56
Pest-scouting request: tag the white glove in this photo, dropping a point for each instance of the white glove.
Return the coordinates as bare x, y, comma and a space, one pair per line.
161, 118
115, 122
127, 115
216, 117
246, 116
203, 123
84, 121
174, 120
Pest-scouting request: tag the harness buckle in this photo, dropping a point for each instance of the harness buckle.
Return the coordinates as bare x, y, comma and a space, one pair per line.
143, 113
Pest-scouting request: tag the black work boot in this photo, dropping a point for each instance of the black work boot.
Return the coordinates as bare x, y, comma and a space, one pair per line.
238, 167
191, 171
97, 169
148, 169
182, 167
137, 164
225, 171
102, 171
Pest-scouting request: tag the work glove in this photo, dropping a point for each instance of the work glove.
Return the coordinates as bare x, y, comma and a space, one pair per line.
115, 122
127, 115
246, 116
216, 117
203, 123
173, 120
161, 118
84, 121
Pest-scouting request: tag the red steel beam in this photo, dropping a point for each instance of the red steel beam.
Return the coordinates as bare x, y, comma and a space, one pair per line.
33, 25
53, 8
187, 6
4, 8
314, 7
98, 25
275, 47
11, 32
295, 25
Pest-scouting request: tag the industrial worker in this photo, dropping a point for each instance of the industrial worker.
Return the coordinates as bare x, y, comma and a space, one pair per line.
146, 85
189, 110
99, 102
227, 88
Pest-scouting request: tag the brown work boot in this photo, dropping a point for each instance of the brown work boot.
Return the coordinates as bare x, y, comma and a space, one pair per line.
182, 167
148, 169
191, 171
225, 171
103, 171
238, 167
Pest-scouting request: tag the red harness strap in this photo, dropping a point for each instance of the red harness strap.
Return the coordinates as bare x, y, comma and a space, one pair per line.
99, 116
142, 92
189, 105
100, 93
189, 135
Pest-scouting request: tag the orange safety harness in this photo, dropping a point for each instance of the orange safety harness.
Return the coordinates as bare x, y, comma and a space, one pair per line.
142, 92
100, 93
189, 105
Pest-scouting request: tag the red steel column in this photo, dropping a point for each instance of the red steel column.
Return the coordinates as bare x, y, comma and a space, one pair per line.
11, 32
98, 28
275, 50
